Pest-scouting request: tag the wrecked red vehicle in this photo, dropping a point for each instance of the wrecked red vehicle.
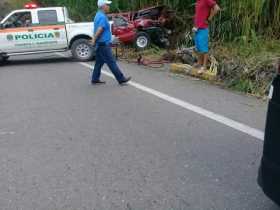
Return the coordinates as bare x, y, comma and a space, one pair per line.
148, 17
152, 25
122, 29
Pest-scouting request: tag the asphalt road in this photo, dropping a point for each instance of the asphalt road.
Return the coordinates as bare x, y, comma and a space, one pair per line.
67, 145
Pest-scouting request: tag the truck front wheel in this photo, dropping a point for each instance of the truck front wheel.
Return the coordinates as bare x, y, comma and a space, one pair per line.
82, 50
3, 59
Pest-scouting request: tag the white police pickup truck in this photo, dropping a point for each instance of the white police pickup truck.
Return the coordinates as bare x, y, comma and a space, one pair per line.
44, 30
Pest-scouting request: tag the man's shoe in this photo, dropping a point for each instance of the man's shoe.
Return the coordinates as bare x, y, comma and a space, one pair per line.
126, 80
98, 82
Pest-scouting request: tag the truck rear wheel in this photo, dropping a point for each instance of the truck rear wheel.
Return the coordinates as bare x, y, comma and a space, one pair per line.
82, 50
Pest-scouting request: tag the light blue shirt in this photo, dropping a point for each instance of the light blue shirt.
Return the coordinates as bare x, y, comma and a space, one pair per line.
101, 20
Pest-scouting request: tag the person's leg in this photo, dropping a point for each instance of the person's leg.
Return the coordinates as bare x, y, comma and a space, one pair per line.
198, 37
203, 67
203, 43
111, 62
205, 60
200, 59
99, 62
199, 56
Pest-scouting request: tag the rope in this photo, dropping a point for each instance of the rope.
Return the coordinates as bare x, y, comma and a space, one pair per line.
140, 60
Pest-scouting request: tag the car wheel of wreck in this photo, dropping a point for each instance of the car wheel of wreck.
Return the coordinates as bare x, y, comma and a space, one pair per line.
142, 41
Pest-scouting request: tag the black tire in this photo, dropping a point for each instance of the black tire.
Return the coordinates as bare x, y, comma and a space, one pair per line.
82, 50
3, 59
142, 40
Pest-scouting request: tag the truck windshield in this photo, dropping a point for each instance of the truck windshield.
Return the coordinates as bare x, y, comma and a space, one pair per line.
19, 19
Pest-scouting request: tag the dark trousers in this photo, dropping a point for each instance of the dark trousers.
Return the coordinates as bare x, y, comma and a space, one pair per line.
104, 55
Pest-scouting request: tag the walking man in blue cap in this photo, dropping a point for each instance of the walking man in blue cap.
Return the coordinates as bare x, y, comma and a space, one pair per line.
102, 40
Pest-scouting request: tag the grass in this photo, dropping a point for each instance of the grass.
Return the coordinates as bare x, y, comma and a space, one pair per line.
259, 47
248, 67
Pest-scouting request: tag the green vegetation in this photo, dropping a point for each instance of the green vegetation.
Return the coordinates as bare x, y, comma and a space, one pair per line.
239, 20
243, 20
248, 67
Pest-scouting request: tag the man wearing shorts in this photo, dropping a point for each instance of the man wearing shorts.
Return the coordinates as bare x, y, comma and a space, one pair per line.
205, 10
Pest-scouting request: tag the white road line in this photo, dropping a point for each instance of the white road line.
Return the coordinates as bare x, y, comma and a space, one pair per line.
196, 109
3, 133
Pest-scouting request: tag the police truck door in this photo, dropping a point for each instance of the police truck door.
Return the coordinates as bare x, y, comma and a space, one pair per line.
16, 32
50, 29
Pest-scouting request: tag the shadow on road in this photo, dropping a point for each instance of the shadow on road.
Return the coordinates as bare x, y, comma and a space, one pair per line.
36, 61
275, 207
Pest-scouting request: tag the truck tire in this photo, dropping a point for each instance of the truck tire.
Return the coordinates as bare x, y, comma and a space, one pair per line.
82, 50
3, 59
142, 40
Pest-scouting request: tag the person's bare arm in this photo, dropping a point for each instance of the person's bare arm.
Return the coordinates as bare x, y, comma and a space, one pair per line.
214, 11
96, 35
